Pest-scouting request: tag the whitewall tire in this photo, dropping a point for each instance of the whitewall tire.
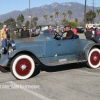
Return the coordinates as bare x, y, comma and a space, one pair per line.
22, 67
94, 58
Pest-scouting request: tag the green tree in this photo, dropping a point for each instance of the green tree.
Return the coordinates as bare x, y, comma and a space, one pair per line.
27, 24
34, 21
51, 17
73, 24
20, 20
90, 15
10, 23
98, 12
69, 13
1, 24
46, 17
64, 14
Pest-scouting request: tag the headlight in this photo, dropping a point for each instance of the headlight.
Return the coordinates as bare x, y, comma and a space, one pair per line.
4, 50
12, 46
10, 50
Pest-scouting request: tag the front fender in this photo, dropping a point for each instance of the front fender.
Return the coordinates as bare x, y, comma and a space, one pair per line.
12, 54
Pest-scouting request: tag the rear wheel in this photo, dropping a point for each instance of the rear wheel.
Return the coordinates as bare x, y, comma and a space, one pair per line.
22, 67
94, 58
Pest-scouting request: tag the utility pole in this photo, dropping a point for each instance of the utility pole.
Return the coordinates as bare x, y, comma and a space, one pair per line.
55, 17
85, 15
93, 4
30, 18
93, 8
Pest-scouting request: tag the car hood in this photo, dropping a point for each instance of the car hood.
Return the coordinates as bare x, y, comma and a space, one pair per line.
37, 38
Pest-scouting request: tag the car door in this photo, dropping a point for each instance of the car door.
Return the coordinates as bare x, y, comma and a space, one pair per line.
68, 50
64, 47
76, 46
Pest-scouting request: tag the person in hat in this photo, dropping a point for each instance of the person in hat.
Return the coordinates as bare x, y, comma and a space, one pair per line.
68, 33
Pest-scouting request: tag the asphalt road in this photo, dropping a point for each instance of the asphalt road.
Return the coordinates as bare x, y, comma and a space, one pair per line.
67, 82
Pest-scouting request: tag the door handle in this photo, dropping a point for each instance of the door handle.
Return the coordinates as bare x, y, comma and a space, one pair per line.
59, 44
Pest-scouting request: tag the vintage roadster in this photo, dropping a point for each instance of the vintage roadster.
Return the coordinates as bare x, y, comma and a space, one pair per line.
24, 54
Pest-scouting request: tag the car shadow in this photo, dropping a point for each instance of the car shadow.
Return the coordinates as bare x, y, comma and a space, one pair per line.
4, 70
38, 69
58, 68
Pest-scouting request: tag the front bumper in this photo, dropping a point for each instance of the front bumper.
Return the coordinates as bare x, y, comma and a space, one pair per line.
3, 59
4, 62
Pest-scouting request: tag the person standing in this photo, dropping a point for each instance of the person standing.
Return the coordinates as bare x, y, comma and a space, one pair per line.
14, 35
74, 30
49, 30
3, 36
93, 32
8, 34
88, 33
25, 32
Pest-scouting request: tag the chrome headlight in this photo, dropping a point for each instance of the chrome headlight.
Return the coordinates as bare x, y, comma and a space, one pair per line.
12, 46
4, 50
10, 50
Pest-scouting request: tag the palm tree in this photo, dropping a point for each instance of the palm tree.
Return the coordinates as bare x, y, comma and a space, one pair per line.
64, 14
51, 16
76, 20
57, 13
64, 21
45, 16
34, 20
70, 13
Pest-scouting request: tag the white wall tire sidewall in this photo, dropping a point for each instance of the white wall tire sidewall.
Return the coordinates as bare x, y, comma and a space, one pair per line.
89, 62
14, 67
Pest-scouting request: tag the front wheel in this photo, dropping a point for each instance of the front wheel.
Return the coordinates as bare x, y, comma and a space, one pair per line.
22, 67
94, 58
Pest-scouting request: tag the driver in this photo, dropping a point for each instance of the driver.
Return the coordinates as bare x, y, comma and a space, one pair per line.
68, 33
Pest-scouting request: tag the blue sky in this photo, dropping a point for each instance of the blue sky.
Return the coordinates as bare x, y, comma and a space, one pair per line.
10, 5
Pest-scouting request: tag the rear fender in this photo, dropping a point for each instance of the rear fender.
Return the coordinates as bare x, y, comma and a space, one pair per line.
89, 47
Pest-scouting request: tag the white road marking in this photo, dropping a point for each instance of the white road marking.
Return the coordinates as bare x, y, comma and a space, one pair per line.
91, 73
29, 91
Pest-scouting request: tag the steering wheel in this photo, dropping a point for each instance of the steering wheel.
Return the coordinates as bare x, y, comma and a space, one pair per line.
57, 36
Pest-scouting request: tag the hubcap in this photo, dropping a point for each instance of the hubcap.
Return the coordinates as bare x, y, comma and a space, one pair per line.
23, 67
95, 58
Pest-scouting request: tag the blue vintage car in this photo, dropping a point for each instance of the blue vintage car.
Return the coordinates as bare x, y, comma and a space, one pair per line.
24, 54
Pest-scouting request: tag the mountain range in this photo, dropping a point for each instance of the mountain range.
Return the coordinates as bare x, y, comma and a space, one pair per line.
76, 8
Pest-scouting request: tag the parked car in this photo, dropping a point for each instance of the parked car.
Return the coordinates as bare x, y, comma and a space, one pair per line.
80, 30
24, 54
